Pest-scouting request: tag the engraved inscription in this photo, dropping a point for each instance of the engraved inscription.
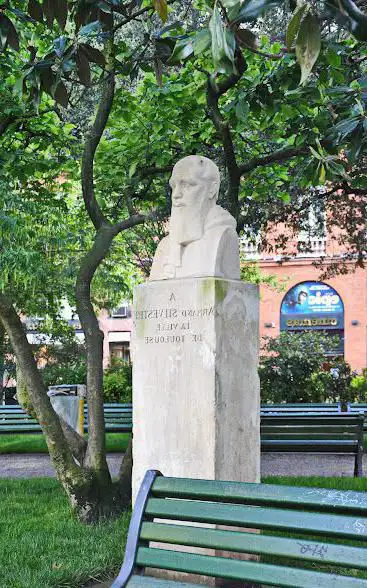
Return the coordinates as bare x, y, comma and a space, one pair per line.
173, 325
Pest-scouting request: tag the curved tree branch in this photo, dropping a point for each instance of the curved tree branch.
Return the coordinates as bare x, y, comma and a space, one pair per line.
281, 155
93, 139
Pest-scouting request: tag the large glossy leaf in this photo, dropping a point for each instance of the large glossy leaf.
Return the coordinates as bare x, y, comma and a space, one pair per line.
222, 44
242, 110
230, 3
35, 10
61, 12
8, 34
49, 11
184, 48
246, 38
252, 9
344, 128
60, 45
308, 45
93, 54
90, 28
61, 94
202, 41
161, 7
82, 67
294, 24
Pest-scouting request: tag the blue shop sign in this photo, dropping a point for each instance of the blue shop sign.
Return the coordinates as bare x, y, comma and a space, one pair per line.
312, 305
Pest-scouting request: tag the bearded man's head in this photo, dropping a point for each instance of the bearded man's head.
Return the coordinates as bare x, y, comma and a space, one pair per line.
195, 184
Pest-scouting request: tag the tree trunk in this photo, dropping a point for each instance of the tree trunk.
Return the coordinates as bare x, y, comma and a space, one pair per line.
89, 488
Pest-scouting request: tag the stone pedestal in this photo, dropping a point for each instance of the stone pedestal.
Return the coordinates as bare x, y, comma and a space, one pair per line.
195, 381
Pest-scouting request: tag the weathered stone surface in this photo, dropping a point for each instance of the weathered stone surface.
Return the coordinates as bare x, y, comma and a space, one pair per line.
202, 239
195, 382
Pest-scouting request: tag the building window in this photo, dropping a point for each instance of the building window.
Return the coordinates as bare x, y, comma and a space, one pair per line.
121, 312
120, 350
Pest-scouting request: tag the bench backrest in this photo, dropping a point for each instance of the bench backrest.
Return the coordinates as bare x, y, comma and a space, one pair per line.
13, 419
357, 407
345, 427
297, 526
301, 408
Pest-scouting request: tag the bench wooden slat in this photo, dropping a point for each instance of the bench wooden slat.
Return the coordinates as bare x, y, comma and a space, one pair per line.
299, 434
324, 429
145, 582
301, 419
340, 555
260, 517
322, 499
239, 570
312, 446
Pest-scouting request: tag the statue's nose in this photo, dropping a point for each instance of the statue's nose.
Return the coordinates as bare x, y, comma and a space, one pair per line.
177, 194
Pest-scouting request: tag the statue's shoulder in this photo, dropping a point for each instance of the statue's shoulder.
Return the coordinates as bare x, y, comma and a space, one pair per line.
163, 245
160, 258
220, 219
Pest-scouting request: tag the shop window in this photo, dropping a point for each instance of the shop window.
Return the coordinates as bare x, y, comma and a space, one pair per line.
314, 306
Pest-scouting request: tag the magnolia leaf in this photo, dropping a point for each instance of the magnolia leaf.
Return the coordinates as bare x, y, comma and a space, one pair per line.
222, 43
184, 48
308, 45
61, 12
345, 127
322, 174
12, 37
8, 34
60, 45
48, 81
82, 67
252, 9
246, 38
242, 110
92, 27
106, 19
35, 10
92, 54
315, 153
230, 3
49, 11
294, 24
201, 41
161, 7
132, 168
61, 95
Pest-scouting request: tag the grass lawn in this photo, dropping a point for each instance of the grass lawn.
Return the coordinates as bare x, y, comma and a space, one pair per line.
43, 546
116, 442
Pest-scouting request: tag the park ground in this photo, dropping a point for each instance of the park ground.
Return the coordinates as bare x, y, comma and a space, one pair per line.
44, 545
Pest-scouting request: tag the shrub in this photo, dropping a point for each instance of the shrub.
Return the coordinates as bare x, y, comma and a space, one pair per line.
291, 367
117, 382
359, 387
66, 364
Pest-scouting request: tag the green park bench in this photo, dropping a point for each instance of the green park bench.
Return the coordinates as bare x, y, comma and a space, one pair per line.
357, 408
307, 537
314, 433
289, 408
13, 419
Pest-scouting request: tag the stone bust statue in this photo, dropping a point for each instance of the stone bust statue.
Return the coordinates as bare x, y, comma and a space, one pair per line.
202, 238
